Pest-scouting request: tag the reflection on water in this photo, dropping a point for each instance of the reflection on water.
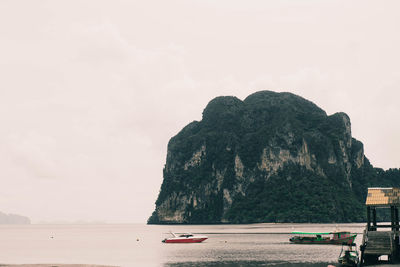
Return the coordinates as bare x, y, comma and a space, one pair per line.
246, 264
256, 245
140, 245
252, 249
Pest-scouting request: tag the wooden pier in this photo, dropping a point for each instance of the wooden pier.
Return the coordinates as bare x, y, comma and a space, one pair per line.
381, 239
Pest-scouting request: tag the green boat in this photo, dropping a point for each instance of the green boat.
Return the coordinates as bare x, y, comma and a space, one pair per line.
349, 256
330, 238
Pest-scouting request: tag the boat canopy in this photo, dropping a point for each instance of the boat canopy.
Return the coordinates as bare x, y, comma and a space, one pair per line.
304, 233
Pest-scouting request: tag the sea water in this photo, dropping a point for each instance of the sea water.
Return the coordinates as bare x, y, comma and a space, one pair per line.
140, 245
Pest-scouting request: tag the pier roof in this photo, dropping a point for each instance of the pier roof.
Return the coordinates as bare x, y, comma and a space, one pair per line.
383, 196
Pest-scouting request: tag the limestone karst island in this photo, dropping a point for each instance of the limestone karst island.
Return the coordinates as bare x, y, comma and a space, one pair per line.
273, 157
13, 219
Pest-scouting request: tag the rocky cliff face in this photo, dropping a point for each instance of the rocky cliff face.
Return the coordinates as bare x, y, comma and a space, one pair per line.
274, 157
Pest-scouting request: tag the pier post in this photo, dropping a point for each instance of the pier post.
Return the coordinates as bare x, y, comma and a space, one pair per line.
392, 218
368, 218
396, 234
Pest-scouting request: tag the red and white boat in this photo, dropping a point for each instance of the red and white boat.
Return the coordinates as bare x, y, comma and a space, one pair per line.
185, 238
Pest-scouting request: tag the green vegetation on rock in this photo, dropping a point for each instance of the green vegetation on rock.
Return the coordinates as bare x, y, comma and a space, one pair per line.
274, 157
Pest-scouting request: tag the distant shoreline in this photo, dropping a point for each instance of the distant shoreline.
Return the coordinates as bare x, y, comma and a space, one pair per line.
54, 265
271, 223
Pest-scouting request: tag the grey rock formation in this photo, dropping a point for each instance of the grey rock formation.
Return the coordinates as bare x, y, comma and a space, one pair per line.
13, 219
274, 157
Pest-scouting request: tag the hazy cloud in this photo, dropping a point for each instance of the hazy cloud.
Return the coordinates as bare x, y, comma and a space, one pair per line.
91, 91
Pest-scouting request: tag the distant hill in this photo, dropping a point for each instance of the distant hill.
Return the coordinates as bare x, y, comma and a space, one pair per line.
13, 219
274, 157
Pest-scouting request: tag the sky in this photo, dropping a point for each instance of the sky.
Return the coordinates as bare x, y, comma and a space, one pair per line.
92, 91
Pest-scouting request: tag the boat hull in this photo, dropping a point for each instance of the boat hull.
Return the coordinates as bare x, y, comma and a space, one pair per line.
348, 262
184, 240
346, 240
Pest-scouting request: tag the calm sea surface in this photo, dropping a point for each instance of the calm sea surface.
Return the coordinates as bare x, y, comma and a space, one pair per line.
140, 245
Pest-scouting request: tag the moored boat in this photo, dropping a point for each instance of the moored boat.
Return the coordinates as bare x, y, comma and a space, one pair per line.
185, 238
332, 238
349, 256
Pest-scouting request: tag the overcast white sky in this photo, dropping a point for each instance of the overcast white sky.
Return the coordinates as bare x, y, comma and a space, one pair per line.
91, 91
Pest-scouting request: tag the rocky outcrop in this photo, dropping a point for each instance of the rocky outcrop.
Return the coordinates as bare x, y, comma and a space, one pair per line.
13, 219
272, 157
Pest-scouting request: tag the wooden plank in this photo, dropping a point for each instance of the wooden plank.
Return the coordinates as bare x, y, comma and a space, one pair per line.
378, 243
377, 252
386, 226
